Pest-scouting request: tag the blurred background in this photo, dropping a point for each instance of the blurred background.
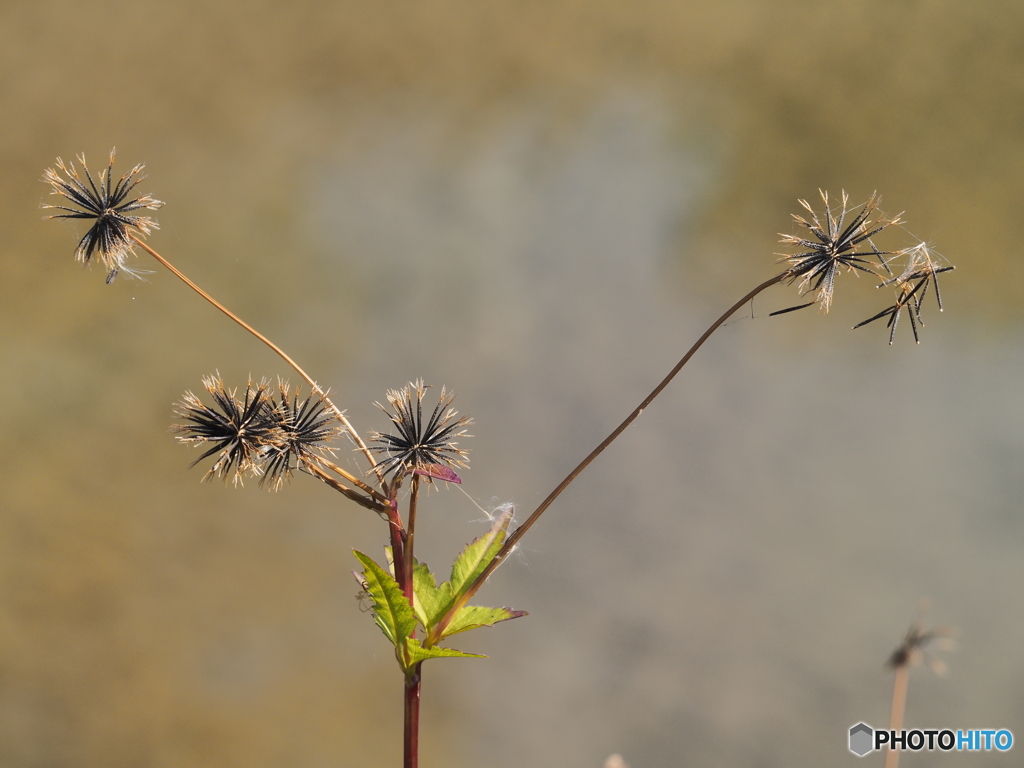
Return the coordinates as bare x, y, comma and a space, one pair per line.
539, 205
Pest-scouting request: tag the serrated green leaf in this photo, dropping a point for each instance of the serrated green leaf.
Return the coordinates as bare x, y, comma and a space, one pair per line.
479, 554
391, 610
474, 616
428, 597
445, 598
417, 653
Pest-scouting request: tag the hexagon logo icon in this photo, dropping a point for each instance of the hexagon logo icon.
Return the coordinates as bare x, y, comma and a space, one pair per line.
861, 739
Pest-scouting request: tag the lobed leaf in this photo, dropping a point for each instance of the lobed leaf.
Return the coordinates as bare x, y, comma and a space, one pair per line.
430, 601
415, 653
391, 611
479, 554
474, 616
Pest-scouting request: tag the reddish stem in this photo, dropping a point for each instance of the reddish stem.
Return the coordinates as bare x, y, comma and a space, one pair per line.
412, 716
406, 580
397, 534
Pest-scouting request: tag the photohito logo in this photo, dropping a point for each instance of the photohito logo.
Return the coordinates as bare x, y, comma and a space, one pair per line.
864, 739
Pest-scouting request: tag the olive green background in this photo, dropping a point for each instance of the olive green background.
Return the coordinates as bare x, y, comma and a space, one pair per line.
539, 205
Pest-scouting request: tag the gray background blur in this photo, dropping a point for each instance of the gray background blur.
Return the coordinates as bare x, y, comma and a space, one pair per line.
539, 205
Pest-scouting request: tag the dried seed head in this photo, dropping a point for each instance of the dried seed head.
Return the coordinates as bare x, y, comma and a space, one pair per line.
836, 245
240, 429
426, 447
924, 265
108, 204
303, 429
918, 645
922, 269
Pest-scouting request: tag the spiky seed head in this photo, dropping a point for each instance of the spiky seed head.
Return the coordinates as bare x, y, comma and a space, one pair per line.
922, 270
418, 445
924, 265
108, 205
240, 429
837, 245
304, 429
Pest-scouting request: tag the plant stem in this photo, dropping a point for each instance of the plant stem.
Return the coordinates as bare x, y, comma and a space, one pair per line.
410, 532
280, 352
519, 532
348, 492
352, 479
899, 703
396, 532
411, 742
401, 541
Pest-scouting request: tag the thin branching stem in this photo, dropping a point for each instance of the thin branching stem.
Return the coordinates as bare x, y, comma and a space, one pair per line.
280, 352
899, 704
352, 479
519, 532
355, 496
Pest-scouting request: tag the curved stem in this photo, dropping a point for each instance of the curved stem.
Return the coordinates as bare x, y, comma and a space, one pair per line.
519, 532
280, 352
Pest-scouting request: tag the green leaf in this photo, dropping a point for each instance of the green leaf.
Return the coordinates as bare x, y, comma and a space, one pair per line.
391, 610
431, 601
474, 616
479, 554
417, 653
